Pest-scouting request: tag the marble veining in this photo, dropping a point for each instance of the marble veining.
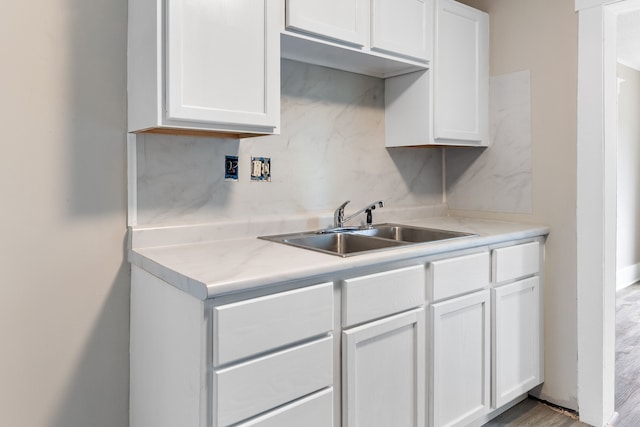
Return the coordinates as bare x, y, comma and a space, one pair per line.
153, 236
498, 178
214, 268
331, 149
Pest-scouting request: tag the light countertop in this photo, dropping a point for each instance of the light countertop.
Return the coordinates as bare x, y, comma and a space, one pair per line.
206, 269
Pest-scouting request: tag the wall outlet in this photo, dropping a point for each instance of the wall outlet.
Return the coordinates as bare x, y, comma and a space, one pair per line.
231, 168
261, 169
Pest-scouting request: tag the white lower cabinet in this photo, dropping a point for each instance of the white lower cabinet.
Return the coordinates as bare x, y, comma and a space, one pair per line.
516, 345
459, 360
358, 352
383, 349
256, 361
517, 353
383, 381
311, 411
247, 389
271, 351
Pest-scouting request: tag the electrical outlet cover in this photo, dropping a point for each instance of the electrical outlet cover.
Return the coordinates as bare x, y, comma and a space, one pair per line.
260, 169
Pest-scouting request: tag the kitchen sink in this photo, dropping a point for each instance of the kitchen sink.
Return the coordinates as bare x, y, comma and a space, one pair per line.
343, 244
347, 242
410, 234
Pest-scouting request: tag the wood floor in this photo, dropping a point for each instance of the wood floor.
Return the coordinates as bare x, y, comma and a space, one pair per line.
534, 413
628, 356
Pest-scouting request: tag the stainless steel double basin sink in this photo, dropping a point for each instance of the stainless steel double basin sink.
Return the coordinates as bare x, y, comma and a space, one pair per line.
347, 242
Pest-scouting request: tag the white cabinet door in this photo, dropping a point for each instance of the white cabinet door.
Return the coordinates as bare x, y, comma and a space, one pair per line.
517, 335
459, 360
461, 74
204, 67
383, 372
222, 60
342, 20
448, 104
402, 27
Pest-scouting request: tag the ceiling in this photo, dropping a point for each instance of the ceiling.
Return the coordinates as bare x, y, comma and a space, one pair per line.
629, 39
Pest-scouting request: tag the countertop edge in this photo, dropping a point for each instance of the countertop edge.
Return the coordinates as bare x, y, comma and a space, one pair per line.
206, 289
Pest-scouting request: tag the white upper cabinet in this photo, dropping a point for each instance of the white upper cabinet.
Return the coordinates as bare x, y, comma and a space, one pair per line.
204, 66
402, 27
449, 103
341, 20
461, 75
380, 38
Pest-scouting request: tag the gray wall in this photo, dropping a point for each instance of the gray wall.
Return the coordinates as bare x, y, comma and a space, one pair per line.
628, 253
542, 37
64, 293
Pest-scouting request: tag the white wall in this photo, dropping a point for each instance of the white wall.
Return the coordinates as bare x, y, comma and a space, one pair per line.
541, 36
628, 245
64, 292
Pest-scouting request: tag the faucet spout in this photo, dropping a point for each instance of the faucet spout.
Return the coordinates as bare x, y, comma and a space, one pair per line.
339, 218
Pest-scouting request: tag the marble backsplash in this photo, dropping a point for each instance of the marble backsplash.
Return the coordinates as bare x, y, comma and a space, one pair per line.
331, 149
498, 178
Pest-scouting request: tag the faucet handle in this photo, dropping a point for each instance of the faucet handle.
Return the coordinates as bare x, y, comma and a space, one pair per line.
370, 214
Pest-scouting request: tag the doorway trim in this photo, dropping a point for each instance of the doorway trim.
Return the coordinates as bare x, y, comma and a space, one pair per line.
596, 205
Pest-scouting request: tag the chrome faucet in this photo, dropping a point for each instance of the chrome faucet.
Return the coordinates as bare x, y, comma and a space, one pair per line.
339, 219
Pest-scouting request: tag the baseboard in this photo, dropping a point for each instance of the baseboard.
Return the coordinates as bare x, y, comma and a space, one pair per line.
627, 276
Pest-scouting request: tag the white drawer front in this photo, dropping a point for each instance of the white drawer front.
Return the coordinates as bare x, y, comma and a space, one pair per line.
515, 262
377, 295
257, 325
460, 275
312, 411
248, 389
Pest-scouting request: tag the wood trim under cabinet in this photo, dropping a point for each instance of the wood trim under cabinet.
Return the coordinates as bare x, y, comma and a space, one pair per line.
199, 133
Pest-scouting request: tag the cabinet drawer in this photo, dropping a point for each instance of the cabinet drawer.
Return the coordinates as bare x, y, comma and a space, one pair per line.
377, 295
456, 276
248, 389
257, 325
312, 411
515, 262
